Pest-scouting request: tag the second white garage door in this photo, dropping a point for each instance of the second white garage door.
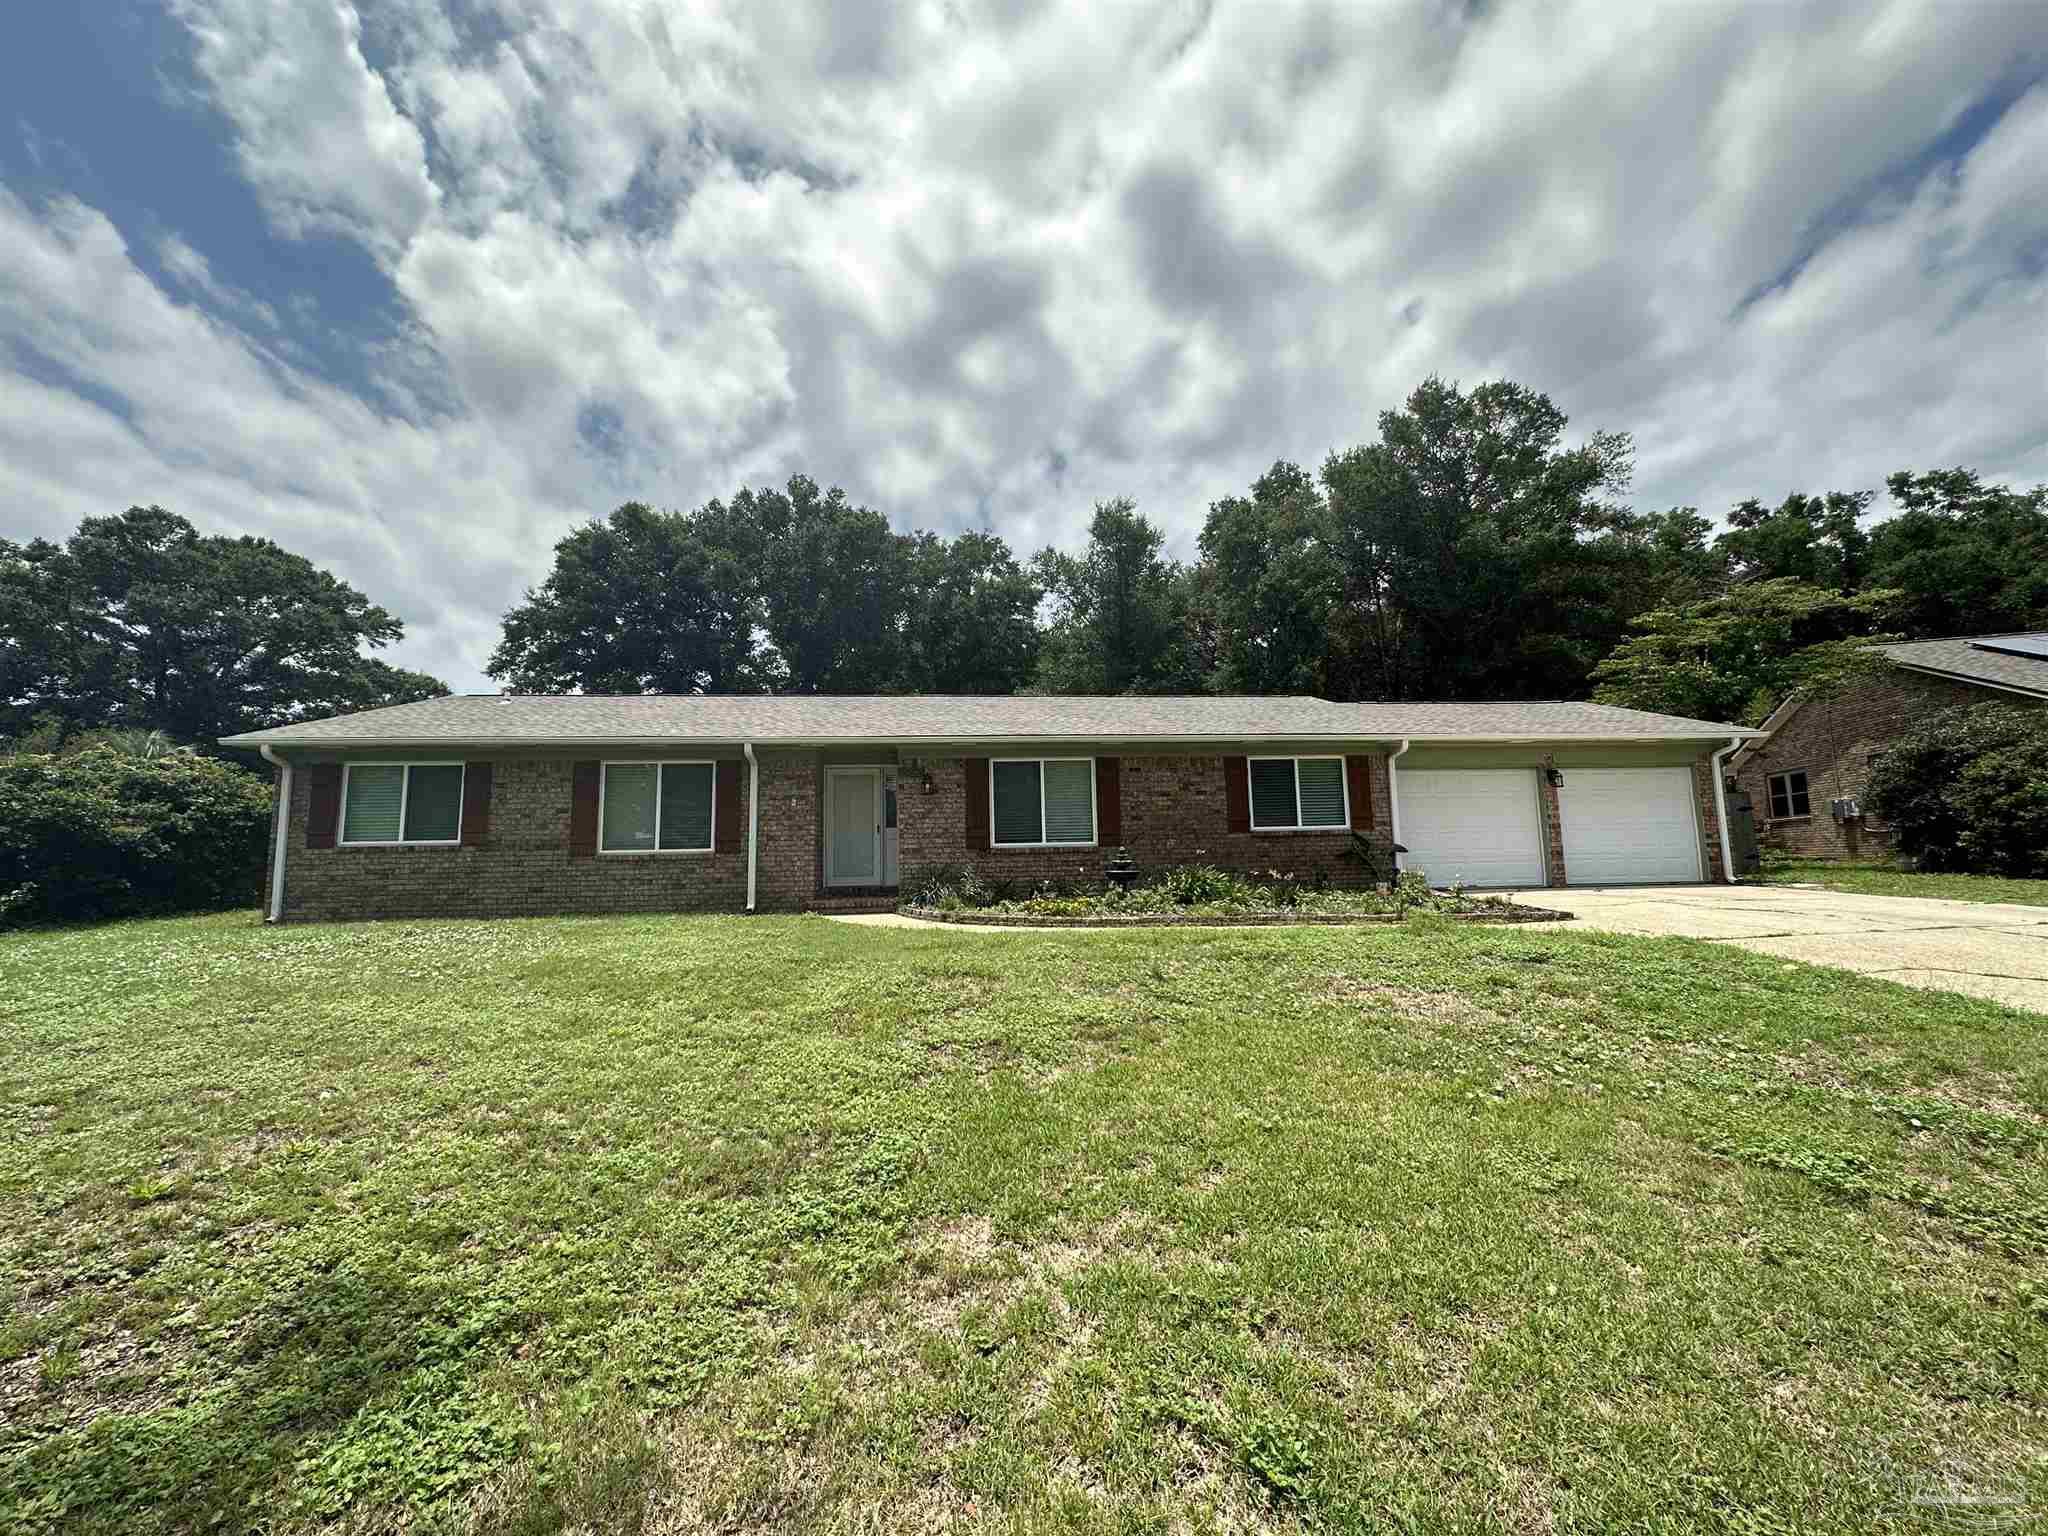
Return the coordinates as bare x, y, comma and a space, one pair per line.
1472, 826
1629, 826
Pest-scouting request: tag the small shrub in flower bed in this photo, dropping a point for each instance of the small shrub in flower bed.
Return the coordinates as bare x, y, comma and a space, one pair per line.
1196, 890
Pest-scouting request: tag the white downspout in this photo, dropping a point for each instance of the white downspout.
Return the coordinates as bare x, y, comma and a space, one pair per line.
753, 816
284, 821
1394, 801
1721, 809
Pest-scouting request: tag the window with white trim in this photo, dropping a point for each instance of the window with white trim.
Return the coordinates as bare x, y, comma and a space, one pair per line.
1041, 802
656, 807
1789, 795
1299, 794
391, 803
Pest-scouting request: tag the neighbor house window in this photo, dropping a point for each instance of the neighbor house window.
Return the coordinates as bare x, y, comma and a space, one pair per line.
1788, 795
401, 803
1298, 792
656, 808
1040, 802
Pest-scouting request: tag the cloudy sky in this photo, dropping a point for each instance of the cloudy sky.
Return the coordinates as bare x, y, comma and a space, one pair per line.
413, 287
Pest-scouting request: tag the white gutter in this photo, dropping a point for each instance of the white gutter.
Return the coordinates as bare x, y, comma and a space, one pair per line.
284, 819
753, 816
1721, 808
935, 743
1394, 800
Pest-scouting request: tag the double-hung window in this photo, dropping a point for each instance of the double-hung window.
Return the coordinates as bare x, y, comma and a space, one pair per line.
401, 803
1298, 793
1042, 802
656, 807
1789, 795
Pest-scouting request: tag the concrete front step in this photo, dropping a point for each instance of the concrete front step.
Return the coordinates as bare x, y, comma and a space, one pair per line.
837, 904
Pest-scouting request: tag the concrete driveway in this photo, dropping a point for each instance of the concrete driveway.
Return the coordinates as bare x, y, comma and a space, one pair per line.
1989, 949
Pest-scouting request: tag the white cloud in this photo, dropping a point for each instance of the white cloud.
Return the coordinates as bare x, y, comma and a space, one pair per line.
989, 263
439, 524
317, 132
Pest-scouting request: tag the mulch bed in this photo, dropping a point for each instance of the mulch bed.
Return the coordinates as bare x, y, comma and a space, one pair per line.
1508, 914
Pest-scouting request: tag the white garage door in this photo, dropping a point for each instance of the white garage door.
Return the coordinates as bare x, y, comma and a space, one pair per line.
1472, 826
1629, 826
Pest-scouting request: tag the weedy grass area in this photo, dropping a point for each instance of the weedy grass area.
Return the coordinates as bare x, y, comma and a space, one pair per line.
651, 1225
1889, 880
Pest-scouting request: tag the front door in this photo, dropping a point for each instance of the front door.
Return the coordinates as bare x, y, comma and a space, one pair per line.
853, 826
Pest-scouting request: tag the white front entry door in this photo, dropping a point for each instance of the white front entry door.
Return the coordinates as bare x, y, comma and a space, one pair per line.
1472, 826
853, 826
1629, 826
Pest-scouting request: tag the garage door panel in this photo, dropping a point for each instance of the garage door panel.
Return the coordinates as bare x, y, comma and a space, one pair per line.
1472, 826
1629, 826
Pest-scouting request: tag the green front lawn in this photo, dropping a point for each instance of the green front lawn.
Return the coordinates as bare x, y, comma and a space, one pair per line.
1886, 880
666, 1224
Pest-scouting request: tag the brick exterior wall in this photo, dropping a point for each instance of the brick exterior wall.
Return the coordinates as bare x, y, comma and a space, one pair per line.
1710, 819
523, 867
1552, 812
1833, 739
1173, 813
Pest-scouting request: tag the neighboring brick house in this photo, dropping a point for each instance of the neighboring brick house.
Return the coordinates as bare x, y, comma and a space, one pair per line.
1816, 751
491, 805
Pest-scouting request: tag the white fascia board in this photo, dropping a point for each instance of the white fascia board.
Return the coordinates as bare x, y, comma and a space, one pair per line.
958, 743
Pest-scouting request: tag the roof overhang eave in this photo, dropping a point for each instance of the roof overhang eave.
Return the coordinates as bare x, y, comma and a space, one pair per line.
933, 743
1973, 680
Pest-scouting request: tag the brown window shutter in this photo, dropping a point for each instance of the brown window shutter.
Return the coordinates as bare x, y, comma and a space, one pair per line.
1237, 793
1358, 780
727, 793
1109, 800
323, 804
476, 803
583, 810
977, 803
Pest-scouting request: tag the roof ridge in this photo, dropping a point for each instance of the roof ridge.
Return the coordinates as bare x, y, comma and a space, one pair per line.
2003, 634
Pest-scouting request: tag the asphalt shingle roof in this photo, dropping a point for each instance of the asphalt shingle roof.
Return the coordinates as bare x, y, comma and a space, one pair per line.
582, 719
1967, 658
1540, 719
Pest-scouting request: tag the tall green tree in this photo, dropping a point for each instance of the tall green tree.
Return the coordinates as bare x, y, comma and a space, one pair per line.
641, 602
833, 587
1737, 656
1970, 558
138, 621
1120, 610
1818, 540
1480, 550
1275, 581
970, 623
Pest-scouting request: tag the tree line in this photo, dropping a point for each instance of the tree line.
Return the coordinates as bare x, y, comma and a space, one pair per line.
1470, 551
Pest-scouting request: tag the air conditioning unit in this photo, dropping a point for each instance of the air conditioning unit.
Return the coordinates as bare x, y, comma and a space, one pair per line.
1846, 810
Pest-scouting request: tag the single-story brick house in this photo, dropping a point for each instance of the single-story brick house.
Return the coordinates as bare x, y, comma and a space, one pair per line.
1807, 773
525, 804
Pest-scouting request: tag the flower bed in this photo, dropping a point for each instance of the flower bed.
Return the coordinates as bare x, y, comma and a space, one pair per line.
1198, 894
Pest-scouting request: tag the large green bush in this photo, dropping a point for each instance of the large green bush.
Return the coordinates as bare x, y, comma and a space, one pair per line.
102, 833
1968, 790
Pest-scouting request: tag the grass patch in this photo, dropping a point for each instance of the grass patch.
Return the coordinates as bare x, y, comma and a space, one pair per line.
1886, 880
671, 1224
